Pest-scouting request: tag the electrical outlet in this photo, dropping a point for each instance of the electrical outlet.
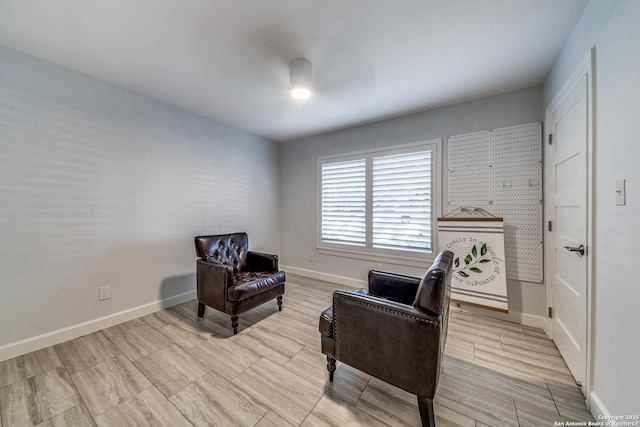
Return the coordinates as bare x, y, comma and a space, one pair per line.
104, 293
312, 256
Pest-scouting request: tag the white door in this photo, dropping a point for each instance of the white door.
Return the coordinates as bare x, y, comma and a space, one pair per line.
567, 208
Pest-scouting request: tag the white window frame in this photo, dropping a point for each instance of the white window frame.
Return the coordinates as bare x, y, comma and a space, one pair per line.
368, 252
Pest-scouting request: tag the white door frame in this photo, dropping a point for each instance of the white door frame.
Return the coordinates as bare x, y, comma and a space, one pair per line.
586, 67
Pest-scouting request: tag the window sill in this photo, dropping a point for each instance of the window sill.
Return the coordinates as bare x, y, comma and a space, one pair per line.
407, 260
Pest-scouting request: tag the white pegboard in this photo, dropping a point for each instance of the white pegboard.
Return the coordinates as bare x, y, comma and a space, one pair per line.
522, 240
470, 169
500, 170
517, 164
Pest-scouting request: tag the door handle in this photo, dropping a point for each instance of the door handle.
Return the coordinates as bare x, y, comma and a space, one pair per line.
579, 249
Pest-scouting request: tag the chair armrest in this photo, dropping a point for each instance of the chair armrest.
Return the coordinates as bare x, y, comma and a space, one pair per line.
259, 261
393, 286
213, 280
389, 340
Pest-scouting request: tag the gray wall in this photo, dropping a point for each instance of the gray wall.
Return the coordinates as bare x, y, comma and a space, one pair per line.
100, 186
299, 186
612, 27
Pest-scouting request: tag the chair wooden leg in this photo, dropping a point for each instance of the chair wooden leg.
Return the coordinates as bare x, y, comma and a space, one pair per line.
427, 416
234, 323
331, 367
201, 307
279, 303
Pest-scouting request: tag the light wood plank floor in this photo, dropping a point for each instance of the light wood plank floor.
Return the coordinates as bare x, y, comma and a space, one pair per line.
169, 368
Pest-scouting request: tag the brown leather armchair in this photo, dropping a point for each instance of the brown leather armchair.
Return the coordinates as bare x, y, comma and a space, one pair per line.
396, 330
232, 279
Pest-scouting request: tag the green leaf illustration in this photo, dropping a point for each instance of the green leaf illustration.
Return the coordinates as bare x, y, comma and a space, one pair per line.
456, 262
468, 259
474, 252
483, 249
484, 261
475, 270
463, 274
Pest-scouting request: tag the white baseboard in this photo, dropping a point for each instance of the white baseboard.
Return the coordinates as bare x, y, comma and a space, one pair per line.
597, 407
28, 345
341, 280
533, 321
524, 319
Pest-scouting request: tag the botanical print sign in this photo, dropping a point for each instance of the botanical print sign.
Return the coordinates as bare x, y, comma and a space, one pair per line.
479, 276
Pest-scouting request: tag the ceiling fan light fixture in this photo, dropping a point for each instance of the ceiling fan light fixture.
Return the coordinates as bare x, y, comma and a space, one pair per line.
300, 78
300, 93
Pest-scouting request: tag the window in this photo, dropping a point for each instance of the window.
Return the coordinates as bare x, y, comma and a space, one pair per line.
379, 202
344, 202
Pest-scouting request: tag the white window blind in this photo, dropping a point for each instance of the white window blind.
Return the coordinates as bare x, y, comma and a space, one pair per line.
379, 203
402, 214
344, 202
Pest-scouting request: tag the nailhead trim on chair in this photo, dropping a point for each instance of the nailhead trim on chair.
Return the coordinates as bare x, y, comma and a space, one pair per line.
377, 307
226, 287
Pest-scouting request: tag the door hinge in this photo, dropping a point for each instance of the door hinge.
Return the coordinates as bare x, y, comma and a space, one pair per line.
549, 226
550, 138
550, 312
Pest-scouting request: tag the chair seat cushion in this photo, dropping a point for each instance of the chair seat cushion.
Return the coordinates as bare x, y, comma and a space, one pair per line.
326, 317
249, 283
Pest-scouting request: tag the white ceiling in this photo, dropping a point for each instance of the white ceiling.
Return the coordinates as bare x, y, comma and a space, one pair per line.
227, 59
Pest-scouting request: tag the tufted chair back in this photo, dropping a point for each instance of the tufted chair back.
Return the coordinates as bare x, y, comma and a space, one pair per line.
228, 249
